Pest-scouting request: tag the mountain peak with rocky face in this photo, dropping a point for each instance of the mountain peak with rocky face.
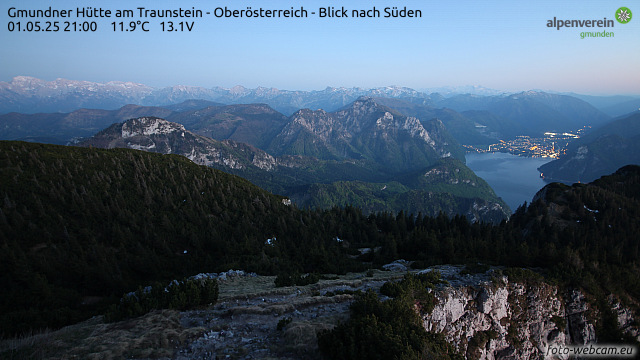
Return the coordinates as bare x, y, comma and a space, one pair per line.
363, 130
162, 136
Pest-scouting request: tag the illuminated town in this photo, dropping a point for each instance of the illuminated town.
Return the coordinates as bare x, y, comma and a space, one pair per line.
552, 145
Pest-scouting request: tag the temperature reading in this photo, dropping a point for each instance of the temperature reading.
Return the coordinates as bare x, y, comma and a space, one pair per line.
131, 26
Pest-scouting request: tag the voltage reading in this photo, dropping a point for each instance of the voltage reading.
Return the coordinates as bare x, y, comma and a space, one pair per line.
181, 26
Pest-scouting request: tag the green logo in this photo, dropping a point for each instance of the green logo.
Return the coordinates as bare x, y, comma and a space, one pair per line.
623, 15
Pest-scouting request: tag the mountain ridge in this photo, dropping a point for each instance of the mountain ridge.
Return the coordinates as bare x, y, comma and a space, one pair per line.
115, 94
364, 129
471, 119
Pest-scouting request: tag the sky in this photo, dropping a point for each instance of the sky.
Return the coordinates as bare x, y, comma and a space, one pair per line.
504, 45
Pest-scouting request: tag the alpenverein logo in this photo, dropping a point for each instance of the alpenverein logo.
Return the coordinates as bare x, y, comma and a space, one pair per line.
623, 15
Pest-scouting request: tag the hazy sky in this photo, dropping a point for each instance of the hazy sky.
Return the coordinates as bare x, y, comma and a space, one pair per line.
504, 45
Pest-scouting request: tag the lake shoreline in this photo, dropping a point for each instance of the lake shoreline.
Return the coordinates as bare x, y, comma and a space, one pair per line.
515, 179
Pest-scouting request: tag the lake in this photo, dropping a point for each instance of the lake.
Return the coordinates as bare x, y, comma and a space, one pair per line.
514, 178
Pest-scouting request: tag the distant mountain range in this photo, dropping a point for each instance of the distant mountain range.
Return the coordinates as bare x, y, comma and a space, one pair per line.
531, 112
598, 153
612, 105
448, 91
25, 94
30, 95
470, 119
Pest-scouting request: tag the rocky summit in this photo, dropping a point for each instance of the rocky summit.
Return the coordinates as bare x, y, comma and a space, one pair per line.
165, 137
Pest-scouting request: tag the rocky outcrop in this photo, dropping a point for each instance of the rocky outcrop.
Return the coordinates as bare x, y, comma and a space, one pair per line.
499, 319
162, 136
398, 265
625, 317
580, 330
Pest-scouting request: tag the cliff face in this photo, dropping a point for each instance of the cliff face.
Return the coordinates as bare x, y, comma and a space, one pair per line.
500, 319
165, 137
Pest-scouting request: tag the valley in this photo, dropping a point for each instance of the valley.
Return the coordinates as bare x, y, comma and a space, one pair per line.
363, 139
354, 215
200, 180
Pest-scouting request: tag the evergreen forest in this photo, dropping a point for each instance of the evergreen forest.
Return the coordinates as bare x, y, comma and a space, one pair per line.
84, 223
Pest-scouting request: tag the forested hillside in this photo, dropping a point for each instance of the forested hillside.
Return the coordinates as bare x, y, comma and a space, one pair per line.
81, 226
78, 223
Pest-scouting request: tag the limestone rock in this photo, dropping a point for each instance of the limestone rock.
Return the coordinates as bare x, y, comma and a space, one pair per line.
499, 319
